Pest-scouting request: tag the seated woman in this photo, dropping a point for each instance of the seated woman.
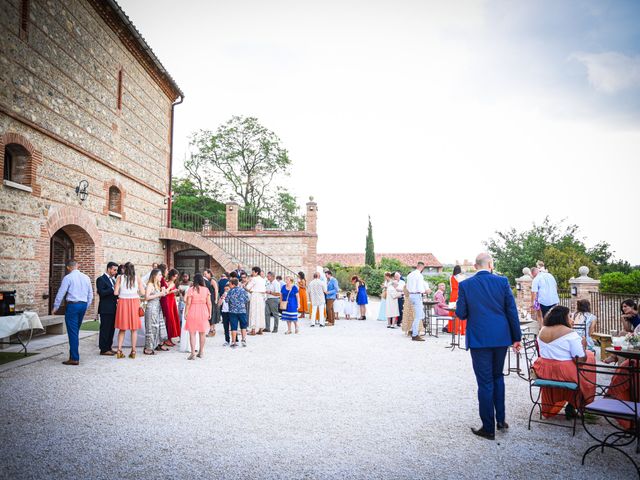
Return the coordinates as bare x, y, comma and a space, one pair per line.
630, 322
558, 347
584, 322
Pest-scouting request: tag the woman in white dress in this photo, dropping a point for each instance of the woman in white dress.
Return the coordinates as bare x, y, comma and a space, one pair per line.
257, 287
392, 309
338, 306
382, 310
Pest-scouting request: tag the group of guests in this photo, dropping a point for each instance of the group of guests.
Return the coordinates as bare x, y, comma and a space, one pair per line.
178, 307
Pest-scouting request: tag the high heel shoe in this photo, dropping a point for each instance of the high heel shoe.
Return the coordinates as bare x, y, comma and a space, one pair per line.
132, 354
191, 356
119, 354
200, 354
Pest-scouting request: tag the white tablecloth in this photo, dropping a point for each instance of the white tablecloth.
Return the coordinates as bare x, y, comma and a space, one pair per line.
12, 324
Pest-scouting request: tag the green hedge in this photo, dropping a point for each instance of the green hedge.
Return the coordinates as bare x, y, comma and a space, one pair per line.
618, 282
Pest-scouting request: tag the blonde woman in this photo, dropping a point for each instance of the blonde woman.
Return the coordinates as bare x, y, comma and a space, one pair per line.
290, 296
128, 289
154, 326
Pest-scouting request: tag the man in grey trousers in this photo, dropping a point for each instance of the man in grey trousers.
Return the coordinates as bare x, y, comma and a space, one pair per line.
272, 303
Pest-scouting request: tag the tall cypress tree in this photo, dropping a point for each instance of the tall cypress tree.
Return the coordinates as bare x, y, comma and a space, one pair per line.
369, 254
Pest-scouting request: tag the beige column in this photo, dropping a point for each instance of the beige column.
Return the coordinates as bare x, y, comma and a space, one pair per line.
582, 287
232, 216
523, 287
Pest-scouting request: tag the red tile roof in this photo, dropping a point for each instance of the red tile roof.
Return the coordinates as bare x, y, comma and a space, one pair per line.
356, 259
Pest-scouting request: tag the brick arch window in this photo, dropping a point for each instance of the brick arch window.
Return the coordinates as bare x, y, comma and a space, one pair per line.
115, 200
17, 164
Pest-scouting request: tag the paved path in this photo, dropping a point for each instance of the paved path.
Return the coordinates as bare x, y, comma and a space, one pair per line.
353, 401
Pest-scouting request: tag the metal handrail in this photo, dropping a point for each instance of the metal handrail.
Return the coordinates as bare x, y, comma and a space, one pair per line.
240, 251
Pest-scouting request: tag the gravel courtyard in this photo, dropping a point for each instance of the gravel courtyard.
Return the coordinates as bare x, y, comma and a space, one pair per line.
353, 401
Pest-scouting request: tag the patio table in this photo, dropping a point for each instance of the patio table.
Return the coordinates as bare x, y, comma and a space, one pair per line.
21, 326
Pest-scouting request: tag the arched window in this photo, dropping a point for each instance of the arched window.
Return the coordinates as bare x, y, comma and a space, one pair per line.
115, 200
17, 164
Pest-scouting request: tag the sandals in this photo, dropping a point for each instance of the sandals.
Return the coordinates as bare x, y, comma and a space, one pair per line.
161, 349
119, 354
288, 333
191, 356
148, 351
132, 354
200, 355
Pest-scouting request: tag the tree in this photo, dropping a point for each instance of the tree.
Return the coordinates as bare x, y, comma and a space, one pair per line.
369, 254
242, 158
190, 206
513, 250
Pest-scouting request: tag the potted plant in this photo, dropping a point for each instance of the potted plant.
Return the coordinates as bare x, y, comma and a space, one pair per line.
633, 339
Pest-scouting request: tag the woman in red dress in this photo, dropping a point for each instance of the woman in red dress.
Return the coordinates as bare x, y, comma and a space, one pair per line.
169, 305
453, 297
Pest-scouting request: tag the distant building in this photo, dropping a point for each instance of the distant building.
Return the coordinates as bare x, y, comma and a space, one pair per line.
466, 266
432, 265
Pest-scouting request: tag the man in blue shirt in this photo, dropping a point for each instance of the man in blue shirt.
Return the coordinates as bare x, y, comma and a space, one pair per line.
332, 293
237, 298
77, 290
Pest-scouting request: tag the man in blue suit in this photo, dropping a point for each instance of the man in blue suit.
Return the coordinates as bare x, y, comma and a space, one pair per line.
487, 303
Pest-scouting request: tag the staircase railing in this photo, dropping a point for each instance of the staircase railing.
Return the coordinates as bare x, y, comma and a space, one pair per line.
240, 251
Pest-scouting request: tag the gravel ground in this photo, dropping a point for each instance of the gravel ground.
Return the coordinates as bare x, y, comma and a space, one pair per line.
353, 401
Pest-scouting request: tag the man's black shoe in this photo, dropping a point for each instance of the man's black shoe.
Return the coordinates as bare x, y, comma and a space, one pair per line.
481, 433
502, 425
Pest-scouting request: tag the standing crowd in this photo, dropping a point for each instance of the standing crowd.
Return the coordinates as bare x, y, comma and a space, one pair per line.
180, 311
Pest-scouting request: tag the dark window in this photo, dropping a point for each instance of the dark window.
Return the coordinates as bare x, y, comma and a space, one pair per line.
24, 19
115, 200
17, 161
120, 77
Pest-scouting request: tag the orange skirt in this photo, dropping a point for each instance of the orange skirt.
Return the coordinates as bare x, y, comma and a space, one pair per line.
554, 399
621, 390
127, 317
304, 308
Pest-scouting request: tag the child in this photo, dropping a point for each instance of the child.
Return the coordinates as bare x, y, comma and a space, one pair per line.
351, 308
339, 306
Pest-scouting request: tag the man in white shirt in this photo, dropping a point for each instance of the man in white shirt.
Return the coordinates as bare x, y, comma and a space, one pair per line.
417, 286
273, 303
401, 283
545, 288
317, 291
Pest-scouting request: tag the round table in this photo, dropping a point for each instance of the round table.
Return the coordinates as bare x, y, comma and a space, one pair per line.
455, 337
633, 354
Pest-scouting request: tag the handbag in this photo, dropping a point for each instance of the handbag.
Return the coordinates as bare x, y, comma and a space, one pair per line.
283, 303
140, 311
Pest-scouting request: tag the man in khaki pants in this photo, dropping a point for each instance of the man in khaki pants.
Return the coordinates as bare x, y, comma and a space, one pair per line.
332, 293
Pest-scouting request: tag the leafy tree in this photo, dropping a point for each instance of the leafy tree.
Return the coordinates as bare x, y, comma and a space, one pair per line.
393, 265
564, 262
514, 250
369, 254
242, 158
190, 206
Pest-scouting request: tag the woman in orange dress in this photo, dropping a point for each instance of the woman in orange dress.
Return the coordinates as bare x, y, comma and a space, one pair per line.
302, 291
453, 297
197, 313
559, 345
129, 289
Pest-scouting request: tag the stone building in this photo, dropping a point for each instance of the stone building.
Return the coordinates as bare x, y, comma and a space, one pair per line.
85, 141
86, 127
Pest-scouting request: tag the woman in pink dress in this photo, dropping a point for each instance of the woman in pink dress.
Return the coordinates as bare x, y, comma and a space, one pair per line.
197, 314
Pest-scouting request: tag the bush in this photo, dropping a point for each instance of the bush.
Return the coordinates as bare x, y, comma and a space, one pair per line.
618, 282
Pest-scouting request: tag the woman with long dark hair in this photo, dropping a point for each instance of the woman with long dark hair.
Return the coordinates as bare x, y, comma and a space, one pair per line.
129, 289
168, 303
197, 312
303, 308
361, 296
584, 322
154, 327
630, 317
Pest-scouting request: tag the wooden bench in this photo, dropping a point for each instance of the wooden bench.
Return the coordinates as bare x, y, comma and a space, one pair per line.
605, 342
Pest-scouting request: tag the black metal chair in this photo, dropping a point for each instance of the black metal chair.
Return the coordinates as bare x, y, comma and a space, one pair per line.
613, 409
530, 344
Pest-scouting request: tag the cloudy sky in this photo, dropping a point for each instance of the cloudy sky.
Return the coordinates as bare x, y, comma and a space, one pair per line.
444, 121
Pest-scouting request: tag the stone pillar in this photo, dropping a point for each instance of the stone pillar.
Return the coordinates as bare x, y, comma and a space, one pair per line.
312, 216
523, 286
232, 216
311, 260
582, 287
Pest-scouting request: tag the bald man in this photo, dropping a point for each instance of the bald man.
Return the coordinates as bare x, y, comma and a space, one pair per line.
486, 302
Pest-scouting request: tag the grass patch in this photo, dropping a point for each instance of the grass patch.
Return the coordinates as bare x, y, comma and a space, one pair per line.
6, 357
93, 326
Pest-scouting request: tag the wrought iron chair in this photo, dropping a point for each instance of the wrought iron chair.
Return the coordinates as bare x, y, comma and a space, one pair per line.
530, 344
608, 377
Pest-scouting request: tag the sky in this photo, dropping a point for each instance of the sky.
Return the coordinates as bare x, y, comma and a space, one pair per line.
444, 121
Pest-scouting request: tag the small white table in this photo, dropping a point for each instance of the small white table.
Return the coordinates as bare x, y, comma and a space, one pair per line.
20, 324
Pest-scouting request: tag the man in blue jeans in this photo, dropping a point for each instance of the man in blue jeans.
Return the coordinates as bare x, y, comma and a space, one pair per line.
76, 289
237, 298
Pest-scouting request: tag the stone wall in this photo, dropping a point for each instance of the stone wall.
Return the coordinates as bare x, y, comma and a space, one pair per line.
59, 98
